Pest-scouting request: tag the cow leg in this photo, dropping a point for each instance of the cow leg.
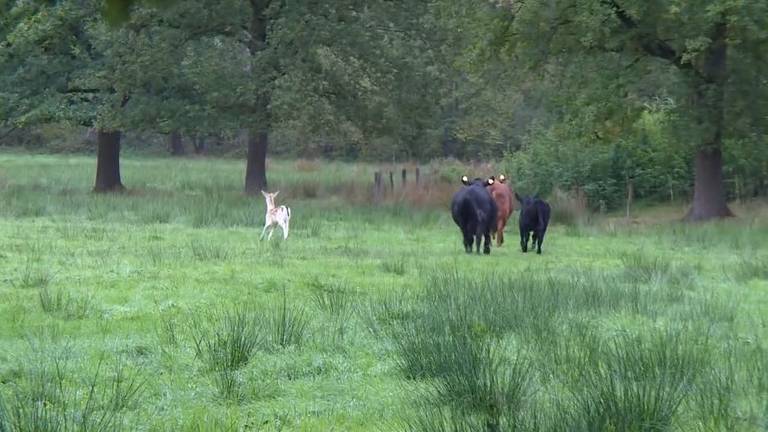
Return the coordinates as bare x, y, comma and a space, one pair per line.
487, 245
540, 240
467, 241
478, 241
500, 232
524, 240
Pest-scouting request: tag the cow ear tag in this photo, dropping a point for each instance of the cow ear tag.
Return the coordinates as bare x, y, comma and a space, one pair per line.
502, 178
464, 179
490, 181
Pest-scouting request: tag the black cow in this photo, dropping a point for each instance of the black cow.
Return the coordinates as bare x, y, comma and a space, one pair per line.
474, 211
534, 217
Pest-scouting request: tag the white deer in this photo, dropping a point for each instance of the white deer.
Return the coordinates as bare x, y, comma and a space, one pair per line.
275, 216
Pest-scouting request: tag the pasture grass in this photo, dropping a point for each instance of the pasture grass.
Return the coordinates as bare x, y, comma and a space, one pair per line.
159, 309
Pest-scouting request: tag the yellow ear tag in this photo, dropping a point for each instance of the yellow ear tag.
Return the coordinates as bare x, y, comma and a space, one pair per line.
502, 178
464, 179
490, 181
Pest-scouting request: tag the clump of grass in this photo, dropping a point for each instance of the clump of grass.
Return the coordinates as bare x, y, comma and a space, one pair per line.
398, 266
210, 211
168, 332
387, 312
209, 251
288, 325
229, 385
226, 339
33, 276
714, 397
311, 229
46, 399
334, 299
636, 382
480, 380
62, 303
156, 212
643, 268
752, 268
453, 341
155, 255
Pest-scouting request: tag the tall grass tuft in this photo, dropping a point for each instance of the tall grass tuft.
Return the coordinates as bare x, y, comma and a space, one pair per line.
398, 266
334, 299
229, 385
288, 325
226, 339
210, 211
752, 268
33, 276
637, 383
209, 251
50, 397
63, 304
643, 268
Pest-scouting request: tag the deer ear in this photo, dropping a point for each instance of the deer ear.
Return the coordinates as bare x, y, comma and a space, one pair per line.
465, 180
264, 193
275, 194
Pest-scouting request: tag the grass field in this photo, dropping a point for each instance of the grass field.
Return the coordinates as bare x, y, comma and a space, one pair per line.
160, 310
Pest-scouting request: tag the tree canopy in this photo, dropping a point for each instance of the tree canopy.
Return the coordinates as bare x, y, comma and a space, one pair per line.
606, 97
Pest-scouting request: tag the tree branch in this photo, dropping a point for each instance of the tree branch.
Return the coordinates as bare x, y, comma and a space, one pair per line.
650, 43
83, 91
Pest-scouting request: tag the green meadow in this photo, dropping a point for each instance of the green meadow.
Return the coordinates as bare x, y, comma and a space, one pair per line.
159, 309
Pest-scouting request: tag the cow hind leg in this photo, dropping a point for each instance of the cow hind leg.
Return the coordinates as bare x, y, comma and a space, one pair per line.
500, 233
524, 240
467, 241
487, 245
539, 241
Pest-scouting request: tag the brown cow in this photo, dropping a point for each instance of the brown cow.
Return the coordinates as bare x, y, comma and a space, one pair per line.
505, 203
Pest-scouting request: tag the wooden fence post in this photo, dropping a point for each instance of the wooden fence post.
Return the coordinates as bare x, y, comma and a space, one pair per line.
417, 175
377, 186
405, 172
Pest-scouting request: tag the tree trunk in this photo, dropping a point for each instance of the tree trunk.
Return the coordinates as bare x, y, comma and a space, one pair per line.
108, 162
708, 188
630, 195
256, 168
201, 147
175, 145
